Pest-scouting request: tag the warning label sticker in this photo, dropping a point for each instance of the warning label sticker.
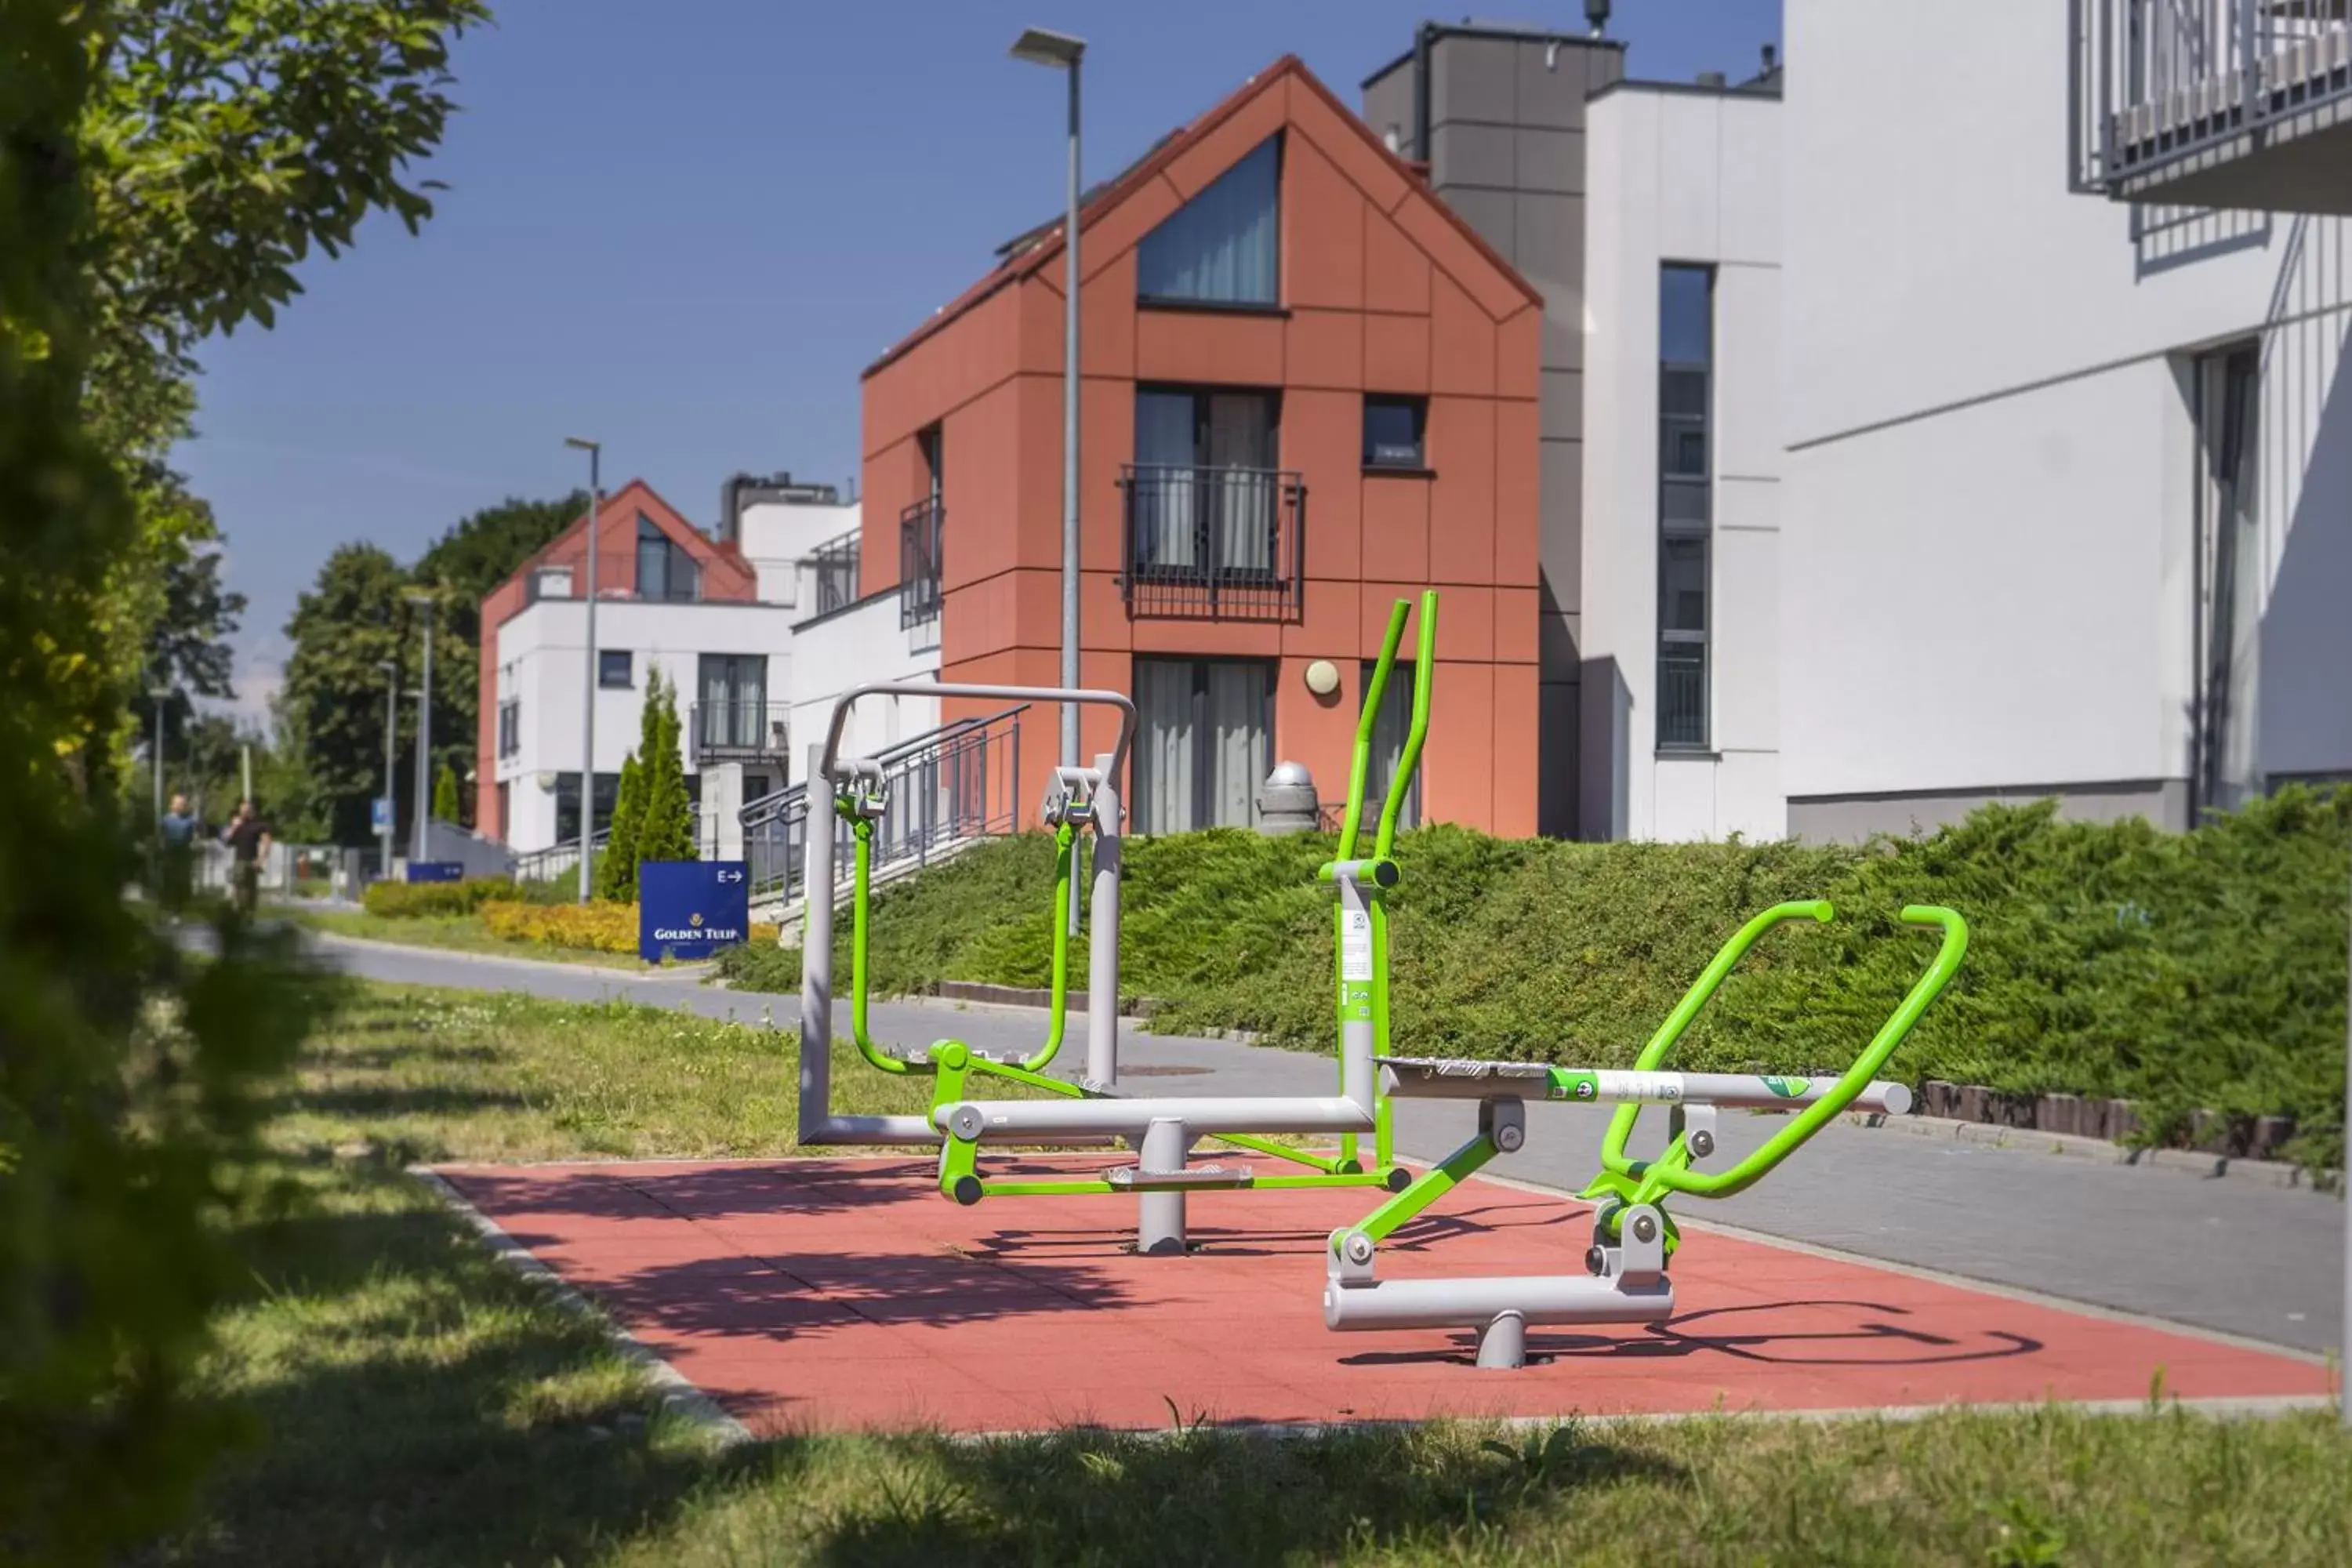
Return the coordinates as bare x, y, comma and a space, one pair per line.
1355, 944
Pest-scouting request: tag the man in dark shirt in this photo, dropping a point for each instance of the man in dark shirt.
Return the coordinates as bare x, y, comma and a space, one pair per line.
179, 832
248, 837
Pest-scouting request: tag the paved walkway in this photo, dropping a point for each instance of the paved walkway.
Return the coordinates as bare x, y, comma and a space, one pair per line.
2235, 1257
832, 1294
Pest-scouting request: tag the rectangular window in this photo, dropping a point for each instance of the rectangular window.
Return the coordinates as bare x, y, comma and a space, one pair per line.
510, 728
1389, 729
615, 666
1207, 489
567, 805
732, 713
833, 565
1686, 501
2230, 561
1204, 743
1393, 432
1220, 248
920, 538
664, 571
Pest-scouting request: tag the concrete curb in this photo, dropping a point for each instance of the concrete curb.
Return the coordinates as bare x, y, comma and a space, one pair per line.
1993, 1135
695, 971
679, 1397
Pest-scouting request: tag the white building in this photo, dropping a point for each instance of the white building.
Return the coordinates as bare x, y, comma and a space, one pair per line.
2067, 506
714, 615
1681, 627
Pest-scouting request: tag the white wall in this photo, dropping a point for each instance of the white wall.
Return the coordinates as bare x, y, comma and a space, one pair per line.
540, 659
776, 535
853, 647
1680, 177
1990, 563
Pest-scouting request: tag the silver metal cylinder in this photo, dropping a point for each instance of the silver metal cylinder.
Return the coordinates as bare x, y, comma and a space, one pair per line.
1159, 1215
1013, 1119
816, 967
1475, 1303
1102, 934
1418, 1077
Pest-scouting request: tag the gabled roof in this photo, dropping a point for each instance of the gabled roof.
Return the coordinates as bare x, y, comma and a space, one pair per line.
1033, 251
637, 498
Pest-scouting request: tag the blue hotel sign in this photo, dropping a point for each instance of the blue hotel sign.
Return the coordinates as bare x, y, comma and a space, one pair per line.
690, 909
436, 870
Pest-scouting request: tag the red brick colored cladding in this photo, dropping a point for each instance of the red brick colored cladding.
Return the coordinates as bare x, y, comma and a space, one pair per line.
726, 577
1383, 290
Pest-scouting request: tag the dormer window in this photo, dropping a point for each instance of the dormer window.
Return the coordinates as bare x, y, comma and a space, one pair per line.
1220, 248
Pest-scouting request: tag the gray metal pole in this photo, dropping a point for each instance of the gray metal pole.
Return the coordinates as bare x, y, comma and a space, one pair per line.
248, 773
391, 718
588, 694
1070, 456
417, 849
816, 949
1102, 937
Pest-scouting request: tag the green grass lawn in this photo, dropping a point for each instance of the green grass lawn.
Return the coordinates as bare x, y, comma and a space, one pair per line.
415, 1401
459, 933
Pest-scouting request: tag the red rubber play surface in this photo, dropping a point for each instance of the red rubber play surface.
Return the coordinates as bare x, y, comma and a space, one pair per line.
828, 1294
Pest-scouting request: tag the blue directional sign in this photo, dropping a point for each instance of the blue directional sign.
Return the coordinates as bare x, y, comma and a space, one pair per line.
691, 908
436, 870
379, 815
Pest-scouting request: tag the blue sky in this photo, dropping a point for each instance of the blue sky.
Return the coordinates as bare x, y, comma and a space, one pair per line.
684, 228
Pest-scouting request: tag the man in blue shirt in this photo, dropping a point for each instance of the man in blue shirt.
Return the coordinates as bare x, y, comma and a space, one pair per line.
178, 829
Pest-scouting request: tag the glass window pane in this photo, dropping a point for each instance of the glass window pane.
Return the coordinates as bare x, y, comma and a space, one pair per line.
1684, 506
1220, 246
1682, 605
1682, 392
1682, 450
1237, 758
1684, 331
1388, 728
1165, 746
1393, 432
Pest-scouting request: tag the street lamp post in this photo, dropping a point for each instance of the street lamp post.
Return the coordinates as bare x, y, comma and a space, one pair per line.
595, 450
1040, 47
416, 845
391, 669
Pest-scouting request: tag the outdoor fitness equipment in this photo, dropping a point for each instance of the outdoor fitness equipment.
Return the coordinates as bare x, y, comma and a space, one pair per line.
1632, 1235
1084, 796
1163, 1130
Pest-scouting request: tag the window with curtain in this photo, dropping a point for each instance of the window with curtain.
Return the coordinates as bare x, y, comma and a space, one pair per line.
1389, 727
664, 571
1207, 492
1220, 248
1203, 742
733, 708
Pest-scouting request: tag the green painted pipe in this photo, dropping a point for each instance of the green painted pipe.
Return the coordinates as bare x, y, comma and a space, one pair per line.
1065, 854
1947, 962
1360, 770
1621, 1124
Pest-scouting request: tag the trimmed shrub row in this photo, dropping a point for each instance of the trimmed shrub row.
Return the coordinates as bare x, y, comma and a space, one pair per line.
2202, 970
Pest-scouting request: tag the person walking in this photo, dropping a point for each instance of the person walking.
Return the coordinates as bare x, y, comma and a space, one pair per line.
179, 836
248, 837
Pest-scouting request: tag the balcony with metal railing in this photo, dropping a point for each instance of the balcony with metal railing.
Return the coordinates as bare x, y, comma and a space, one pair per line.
1214, 543
921, 529
2213, 104
738, 731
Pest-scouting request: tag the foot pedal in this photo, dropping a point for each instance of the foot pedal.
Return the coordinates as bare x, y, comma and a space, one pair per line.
1133, 1178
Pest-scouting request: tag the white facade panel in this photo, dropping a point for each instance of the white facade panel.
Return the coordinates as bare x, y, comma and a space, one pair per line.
855, 647
1998, 470
542, 663
1658, 171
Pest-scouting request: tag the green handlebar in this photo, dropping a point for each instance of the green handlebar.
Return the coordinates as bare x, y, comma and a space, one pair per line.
1671, 1172
1360, 768
860, 905
1424, 677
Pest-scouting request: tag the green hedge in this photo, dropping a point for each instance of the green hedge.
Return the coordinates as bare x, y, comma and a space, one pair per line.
2184, 971
415, 900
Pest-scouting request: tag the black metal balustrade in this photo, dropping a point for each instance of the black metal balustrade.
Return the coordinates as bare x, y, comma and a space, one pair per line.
946, 785
1215, 543
920, 529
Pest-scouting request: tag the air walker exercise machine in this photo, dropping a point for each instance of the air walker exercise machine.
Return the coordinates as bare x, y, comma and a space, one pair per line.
1624, 1279
1161, 1131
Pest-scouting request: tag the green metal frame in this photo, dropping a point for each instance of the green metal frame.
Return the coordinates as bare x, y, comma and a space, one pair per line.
1623, 1182
952, 1061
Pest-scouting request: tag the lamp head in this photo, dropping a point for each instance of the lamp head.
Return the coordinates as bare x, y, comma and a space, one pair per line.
1044, 47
